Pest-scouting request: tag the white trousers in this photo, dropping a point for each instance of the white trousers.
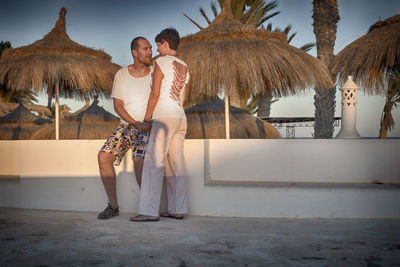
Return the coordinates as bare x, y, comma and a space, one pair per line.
166, 141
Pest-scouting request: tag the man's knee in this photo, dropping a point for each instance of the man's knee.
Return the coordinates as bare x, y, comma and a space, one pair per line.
105, 158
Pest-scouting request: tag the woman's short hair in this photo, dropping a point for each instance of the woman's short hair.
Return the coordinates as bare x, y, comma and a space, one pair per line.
169, 35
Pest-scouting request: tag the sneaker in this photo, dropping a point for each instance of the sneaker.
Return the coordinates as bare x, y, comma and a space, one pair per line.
108, 213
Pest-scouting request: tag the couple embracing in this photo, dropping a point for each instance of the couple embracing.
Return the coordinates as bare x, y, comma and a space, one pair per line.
149, 100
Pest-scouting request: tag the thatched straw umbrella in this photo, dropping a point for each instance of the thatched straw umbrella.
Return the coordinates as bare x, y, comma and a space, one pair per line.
57, 63
374, 62
241, 60
6, 108
42, 111
20, 124
206, 120
92, 123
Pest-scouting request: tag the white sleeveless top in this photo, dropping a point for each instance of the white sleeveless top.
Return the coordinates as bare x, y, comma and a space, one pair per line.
173, 84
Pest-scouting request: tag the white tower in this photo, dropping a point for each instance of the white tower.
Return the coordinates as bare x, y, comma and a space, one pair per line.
349, 101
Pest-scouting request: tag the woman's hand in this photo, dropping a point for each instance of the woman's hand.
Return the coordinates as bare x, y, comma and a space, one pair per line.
147, 125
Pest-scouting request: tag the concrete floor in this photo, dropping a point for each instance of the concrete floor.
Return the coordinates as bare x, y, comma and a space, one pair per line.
58, 238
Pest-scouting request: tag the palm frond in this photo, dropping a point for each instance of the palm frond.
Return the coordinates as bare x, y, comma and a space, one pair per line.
192, 21
203, 13
237, 8
268, 17
214, 9
308, 46
271, 5
287, 29
290, 38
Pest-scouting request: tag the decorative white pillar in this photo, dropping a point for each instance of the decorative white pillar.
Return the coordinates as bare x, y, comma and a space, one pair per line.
349, 102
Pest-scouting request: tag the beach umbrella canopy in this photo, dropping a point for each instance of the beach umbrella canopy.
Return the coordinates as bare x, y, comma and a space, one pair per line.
42, 111
94, 113
374, 62
19, 115
92, 123
6, 108
206, 120
57, 63
371, 58
240, 59
20, 124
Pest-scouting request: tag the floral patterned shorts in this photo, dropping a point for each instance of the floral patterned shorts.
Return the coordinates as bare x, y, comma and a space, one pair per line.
122, 139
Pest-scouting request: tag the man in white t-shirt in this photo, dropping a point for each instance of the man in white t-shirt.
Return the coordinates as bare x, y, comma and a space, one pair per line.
130, 93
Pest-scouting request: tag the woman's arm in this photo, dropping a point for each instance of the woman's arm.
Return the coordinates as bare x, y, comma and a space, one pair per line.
155, 92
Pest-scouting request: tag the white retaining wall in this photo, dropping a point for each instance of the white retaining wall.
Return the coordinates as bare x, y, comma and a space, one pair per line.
249, 178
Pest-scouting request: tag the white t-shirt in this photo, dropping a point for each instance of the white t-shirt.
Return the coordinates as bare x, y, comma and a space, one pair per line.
170, 102
133, 91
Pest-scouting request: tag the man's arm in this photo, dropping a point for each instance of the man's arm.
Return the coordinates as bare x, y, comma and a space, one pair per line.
121, 111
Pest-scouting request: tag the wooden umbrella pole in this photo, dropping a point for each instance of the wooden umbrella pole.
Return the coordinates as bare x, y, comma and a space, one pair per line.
227, 117
57, 113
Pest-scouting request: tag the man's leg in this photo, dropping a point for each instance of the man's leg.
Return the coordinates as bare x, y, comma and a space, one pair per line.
108, 177
138, 168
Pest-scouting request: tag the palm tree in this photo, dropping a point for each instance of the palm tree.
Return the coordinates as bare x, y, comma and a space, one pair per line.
4, 45
392, 99
26, 97
326, 17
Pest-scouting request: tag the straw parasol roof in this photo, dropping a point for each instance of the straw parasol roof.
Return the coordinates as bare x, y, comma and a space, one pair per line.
20, 124
238, 57
57, 61
372, 57
42, 111
92, 123
19, 115
206, 120
6, 108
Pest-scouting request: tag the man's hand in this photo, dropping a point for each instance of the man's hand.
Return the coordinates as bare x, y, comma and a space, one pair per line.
141, 126
137, 125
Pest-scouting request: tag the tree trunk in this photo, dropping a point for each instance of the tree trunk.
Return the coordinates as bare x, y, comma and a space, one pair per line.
386, 119
264, 105
49, 98
324, 102
392, 96
326, 17
87, 100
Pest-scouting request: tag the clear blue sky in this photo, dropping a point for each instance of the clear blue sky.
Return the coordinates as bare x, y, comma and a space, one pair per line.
110, 25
